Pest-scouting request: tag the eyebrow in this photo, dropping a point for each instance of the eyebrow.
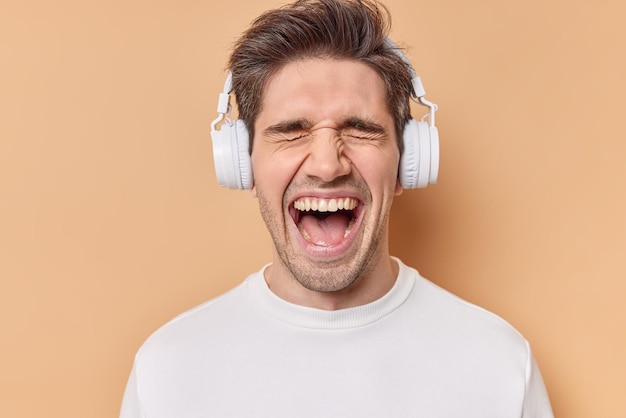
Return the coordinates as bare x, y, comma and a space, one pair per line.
364, 125
298, 125
291, 125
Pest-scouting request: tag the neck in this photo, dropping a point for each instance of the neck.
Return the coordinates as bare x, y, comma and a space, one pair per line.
368, 287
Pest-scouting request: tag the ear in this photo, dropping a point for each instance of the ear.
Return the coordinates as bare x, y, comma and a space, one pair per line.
399, 188
253, 190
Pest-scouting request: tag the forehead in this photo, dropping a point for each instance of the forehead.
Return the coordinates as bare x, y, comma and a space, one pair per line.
321, 89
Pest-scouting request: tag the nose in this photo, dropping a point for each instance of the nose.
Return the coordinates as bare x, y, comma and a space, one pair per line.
326, 160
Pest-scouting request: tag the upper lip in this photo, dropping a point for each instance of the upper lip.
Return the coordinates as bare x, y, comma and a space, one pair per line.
327, 194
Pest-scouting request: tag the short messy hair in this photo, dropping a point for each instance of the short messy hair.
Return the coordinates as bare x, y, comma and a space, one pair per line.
342, 29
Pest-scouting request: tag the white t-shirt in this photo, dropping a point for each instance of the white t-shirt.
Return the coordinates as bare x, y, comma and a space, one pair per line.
418, 351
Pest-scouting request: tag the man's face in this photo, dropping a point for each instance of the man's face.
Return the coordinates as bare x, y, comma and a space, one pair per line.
325, 163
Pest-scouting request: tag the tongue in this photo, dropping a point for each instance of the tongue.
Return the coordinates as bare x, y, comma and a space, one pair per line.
327, 231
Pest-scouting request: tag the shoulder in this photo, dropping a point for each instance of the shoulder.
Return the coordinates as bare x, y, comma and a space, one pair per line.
457, 321
201, 325
464, 340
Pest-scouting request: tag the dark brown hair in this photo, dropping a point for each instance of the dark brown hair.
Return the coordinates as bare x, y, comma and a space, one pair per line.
344, 29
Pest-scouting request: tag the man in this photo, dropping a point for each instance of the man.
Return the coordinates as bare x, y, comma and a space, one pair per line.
334, 326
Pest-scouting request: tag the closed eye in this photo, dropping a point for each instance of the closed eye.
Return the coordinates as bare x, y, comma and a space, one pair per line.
362, 129
353, 127
289, 129
360, 135
288, 136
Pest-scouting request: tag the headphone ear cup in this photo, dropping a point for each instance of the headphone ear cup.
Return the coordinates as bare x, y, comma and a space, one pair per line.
231, 155
243, 147
434, 155
409, 160
415, 164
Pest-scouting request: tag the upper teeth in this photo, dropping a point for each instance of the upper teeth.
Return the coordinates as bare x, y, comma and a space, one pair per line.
325, 205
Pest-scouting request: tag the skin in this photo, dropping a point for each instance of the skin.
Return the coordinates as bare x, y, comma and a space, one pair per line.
325, 131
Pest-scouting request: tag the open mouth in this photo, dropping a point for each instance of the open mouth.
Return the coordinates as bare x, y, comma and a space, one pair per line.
325, 222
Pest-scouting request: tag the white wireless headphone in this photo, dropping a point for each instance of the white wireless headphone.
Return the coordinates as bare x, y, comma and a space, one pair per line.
419, 163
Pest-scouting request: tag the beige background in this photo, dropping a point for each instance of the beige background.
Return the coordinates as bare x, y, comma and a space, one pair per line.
111, 221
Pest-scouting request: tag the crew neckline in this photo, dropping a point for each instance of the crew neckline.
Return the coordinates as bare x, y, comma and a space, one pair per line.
354, 317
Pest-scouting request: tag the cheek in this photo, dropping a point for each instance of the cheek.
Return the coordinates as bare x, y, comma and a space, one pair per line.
272, 174
380, 168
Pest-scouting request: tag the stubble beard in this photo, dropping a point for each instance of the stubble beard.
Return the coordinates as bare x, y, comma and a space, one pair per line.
320, 275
